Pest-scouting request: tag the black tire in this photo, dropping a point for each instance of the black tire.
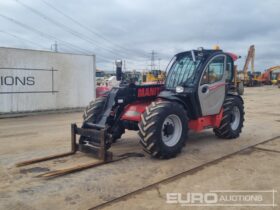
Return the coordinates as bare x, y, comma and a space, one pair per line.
117, 132
93, 112
150, 129
240, 88
229, 128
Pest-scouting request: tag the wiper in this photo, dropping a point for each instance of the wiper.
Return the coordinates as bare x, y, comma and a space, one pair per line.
193, 56
182, 84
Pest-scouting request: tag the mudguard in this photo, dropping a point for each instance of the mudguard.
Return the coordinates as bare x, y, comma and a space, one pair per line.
133, 111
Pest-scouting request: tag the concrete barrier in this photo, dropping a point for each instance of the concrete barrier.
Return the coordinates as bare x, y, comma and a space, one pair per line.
32, 80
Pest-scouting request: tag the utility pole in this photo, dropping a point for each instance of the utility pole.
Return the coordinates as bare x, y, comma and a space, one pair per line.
153, 60
159, 59
54, 47
124, 65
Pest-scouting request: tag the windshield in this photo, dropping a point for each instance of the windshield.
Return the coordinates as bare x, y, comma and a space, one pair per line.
182, 71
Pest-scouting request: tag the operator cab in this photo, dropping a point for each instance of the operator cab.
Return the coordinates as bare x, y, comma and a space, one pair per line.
186, 67
199, 77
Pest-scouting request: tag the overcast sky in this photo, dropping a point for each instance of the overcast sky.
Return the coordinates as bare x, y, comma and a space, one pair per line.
131, 29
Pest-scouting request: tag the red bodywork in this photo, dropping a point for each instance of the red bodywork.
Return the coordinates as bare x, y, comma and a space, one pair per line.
233, 56
132, 112
201, 123
214, 87
102, 90
148, 91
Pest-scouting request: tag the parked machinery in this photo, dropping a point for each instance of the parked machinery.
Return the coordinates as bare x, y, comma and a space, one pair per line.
250, 78
154, 76
269, 75
132, 77
195, 95
275, 77
238, 81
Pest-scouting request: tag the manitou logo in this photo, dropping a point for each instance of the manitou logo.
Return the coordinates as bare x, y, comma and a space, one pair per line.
17, 81
150, 91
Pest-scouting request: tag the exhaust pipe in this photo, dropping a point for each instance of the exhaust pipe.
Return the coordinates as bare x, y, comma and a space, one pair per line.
119, 70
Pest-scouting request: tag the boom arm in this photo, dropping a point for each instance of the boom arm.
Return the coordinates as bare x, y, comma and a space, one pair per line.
250, 58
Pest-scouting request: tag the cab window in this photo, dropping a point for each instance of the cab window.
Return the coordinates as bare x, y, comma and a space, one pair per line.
214, 71
229, 69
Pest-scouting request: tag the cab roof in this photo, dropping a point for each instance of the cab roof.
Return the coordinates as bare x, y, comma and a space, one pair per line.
207, 52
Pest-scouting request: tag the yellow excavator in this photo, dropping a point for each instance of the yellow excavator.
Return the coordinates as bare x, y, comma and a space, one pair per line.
154, 76
270, 76
250, 77
275, 78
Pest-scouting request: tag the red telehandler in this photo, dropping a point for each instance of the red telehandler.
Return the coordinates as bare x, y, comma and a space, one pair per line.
198, 94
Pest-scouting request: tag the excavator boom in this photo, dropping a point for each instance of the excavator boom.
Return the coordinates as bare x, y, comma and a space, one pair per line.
250, 58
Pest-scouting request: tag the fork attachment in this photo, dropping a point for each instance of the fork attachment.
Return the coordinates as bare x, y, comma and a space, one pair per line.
96, 147
95, 143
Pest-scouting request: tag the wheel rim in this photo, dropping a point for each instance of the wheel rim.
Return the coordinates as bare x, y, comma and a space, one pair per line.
235, 118
171, 130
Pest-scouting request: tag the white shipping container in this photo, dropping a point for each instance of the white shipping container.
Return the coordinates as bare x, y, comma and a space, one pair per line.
32, 80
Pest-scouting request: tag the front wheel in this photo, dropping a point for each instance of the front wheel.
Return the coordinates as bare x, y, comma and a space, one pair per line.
93, 113
163, 129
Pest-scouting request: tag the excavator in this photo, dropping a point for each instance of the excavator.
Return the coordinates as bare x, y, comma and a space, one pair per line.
250, 78
270, 75
275, 78
154, 76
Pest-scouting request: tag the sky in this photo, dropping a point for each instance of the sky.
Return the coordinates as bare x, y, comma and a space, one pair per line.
132, 29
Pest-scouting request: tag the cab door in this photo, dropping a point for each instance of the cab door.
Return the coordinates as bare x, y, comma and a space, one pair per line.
212, 86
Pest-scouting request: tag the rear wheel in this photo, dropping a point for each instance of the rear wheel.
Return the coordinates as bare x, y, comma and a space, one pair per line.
163, 129
233, 118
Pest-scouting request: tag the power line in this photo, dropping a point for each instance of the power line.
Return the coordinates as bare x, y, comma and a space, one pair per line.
66, 28
69, 45
23, 39
45, 35
84, 26
159, 59
48, 36
153, 60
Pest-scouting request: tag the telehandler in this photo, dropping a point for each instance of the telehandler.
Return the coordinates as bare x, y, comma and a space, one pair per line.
198, 94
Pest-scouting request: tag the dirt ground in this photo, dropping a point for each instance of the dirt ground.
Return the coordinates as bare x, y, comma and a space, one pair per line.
253, 169
256, 168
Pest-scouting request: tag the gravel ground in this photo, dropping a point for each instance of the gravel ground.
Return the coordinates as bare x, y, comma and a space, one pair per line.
36, 136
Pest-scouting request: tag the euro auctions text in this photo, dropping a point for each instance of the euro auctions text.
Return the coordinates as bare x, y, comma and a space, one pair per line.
223, 198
